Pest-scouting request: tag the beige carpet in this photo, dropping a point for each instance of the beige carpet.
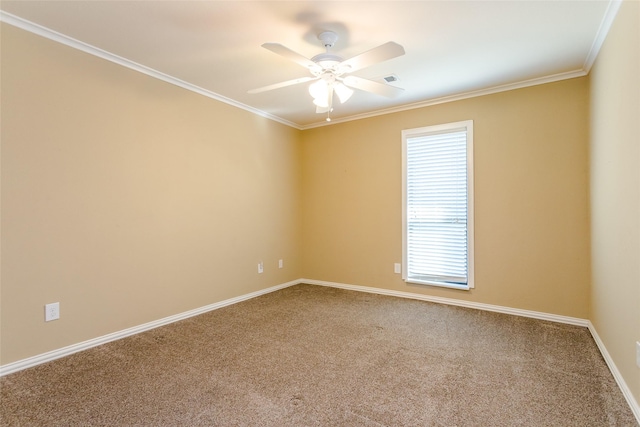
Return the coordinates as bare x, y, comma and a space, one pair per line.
315, 356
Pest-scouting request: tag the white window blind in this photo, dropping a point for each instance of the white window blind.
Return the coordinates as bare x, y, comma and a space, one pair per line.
437, 226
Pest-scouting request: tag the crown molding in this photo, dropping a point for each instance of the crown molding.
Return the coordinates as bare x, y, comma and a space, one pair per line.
603, 30
605, 26
598, 41
47, 33
458, 97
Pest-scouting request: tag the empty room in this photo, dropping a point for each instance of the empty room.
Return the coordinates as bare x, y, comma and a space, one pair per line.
330, 213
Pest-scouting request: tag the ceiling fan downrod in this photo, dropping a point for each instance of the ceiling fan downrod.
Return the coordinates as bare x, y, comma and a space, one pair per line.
327, 60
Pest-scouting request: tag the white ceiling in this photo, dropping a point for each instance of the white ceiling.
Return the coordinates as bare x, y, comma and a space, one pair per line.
454, 49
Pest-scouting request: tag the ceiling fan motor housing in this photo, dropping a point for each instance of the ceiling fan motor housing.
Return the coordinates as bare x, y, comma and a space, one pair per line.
327, 60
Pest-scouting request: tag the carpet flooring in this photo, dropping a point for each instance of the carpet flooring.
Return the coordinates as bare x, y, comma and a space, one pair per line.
316, 356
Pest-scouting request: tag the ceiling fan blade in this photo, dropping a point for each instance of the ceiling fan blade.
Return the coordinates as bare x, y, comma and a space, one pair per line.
283, 84
378, 54
371, 86
289, 54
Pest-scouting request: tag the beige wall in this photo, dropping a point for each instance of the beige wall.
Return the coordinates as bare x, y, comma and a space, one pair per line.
128, 199
615, 192
531, 198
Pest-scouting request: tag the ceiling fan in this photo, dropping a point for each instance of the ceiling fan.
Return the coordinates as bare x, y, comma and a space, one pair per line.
331, 72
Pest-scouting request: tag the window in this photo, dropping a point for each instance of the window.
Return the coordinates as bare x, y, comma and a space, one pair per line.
437, 201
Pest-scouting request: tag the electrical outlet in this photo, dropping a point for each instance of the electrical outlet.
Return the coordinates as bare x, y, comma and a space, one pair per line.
638, 353
280, 263
51, 311
397, 268
260, 267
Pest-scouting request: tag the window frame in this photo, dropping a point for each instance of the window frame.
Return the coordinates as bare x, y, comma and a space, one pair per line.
435, 129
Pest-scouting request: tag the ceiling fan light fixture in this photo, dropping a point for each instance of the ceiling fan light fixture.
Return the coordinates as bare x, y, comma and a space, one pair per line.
319, 89
321, 102
343, 92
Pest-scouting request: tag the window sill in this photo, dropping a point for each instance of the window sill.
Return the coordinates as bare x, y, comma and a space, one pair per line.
439, 284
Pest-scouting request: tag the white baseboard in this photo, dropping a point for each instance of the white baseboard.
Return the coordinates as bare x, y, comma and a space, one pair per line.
635, 407
65, 351
74, 348
450, 301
